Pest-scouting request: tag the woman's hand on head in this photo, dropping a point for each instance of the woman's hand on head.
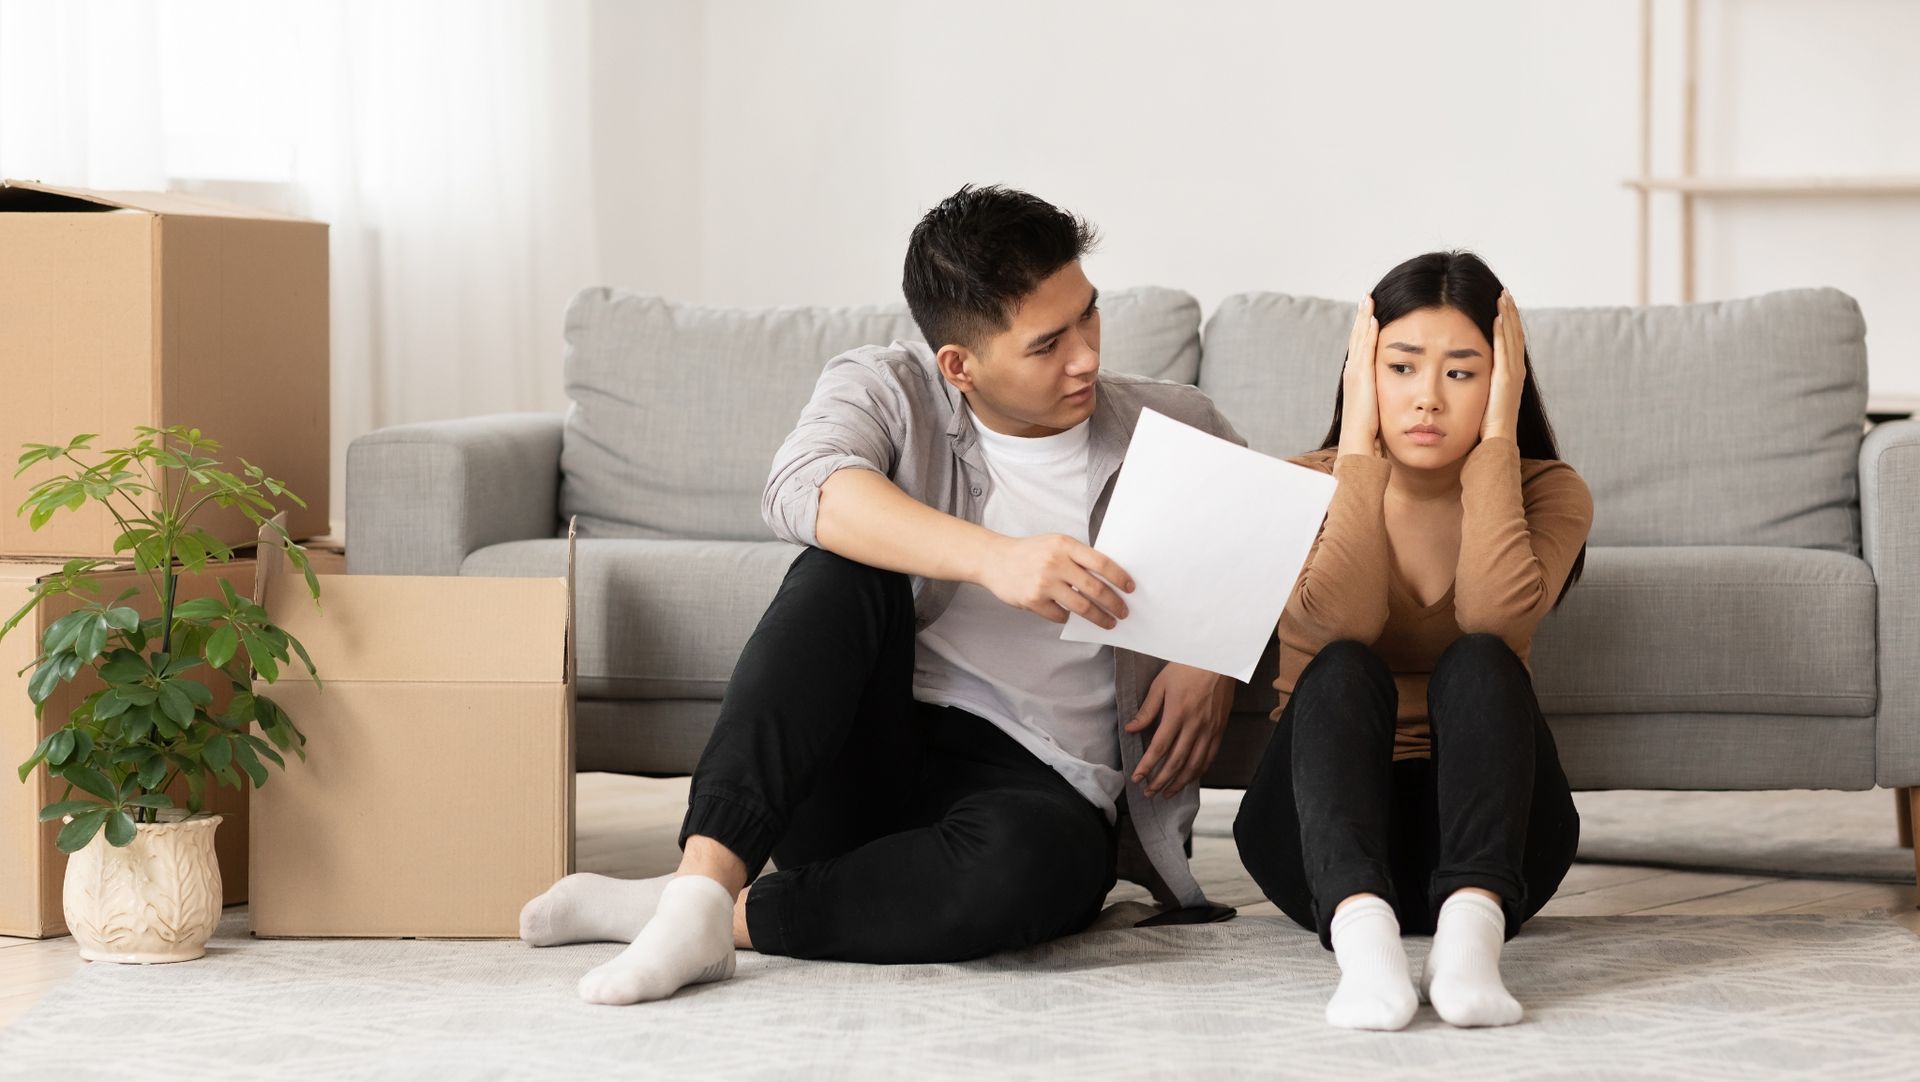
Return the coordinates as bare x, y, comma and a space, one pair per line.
1359, 400
1509, 373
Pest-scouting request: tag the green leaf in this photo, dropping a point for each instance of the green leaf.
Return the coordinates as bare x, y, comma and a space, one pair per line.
123, 666
66, 807
120, 830
62, 632
250, 763
152, 773
82, 746
75, 835
138, 694
221, 646
93, 638
200, 608
196, 788
176, 665
152, 800
175, 704
218, 753
265, 749
196, 692
150, 554
192, 553
304, 659
89, 779
61, 748
111, 705
260, 655
123, 619
45, 679
240, 707
138, 723
130, 539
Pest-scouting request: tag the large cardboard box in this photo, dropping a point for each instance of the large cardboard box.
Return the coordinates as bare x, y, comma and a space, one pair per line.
437, 795
32, 870
120, 309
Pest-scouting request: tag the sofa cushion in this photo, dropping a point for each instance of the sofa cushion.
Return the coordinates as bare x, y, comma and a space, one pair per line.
1731, 423
654, 619
1707, 630
1720, 629
677, 409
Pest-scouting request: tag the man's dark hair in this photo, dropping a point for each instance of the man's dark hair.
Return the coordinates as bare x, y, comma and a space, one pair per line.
977, 254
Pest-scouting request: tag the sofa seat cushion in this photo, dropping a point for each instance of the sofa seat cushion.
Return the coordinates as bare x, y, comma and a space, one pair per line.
1711, 629
654, 619
1708, 630
677, 409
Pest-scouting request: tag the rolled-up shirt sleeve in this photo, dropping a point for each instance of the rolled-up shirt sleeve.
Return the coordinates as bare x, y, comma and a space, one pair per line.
853, 421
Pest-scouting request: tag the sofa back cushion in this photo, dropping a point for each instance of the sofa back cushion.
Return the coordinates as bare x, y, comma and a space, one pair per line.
677, 409
1727, 423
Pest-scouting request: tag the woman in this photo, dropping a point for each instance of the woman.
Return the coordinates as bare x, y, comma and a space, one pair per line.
1412, 784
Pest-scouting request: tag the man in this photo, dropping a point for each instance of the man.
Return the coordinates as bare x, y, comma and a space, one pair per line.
936, 773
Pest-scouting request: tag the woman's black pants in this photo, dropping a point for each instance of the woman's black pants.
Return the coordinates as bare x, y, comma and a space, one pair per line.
904, 832
1330, 814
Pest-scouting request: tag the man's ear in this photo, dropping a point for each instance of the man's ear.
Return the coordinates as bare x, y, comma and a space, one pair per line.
956, 364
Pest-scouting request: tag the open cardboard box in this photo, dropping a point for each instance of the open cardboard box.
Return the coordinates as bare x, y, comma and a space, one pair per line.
437, 795
120, 309
32, 870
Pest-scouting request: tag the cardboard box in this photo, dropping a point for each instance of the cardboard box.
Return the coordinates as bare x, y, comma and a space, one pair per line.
120, 309
327, 555
437, 793
32, 870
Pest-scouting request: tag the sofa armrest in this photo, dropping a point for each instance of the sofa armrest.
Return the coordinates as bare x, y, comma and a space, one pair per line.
421, 497
1890, 540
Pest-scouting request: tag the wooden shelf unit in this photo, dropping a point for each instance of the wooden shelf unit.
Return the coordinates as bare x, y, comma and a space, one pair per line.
1689, 186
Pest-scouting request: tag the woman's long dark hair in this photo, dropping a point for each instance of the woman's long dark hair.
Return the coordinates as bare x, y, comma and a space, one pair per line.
1463, 282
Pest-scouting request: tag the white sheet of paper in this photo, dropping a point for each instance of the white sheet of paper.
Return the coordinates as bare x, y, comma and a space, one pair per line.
1214, 536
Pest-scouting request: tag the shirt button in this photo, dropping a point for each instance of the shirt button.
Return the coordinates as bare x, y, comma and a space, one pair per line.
976, 490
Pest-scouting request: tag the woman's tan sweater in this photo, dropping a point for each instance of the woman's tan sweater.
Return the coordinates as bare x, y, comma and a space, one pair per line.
1522, 523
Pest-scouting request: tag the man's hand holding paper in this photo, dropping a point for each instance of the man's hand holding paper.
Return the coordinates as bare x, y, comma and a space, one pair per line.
1214, 537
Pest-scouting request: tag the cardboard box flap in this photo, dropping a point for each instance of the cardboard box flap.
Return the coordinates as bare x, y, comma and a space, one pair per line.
427, 629
34, 196
423, 628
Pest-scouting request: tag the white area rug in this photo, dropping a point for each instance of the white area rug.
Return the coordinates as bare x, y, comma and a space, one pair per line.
1621, 997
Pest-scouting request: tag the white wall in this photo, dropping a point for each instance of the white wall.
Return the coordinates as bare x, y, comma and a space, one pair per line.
756, 152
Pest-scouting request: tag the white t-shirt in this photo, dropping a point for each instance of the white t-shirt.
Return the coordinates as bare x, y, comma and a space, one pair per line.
1010, 666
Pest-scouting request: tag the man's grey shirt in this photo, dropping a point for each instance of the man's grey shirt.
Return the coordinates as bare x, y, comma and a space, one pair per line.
887, 409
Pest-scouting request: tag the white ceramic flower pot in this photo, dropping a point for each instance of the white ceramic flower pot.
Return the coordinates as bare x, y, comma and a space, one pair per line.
157, 900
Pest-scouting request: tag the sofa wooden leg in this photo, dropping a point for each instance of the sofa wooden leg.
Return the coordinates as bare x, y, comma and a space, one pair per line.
1906, 812
1913, 826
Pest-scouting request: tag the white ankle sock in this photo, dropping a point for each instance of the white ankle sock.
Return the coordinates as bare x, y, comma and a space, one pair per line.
589, 908
1375, 991
688, 941
1462, 974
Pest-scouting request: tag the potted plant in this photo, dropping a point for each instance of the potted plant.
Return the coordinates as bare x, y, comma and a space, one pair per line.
142, 884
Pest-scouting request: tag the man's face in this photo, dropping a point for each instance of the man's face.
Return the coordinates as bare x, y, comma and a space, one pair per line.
1433, 376
1038, 376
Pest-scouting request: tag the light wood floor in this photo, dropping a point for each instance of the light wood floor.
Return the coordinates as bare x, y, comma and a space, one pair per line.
627, 827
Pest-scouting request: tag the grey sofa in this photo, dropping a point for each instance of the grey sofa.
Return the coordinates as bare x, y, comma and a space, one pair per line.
1749, 617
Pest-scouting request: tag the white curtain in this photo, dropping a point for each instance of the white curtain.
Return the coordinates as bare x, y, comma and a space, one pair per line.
445, 141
